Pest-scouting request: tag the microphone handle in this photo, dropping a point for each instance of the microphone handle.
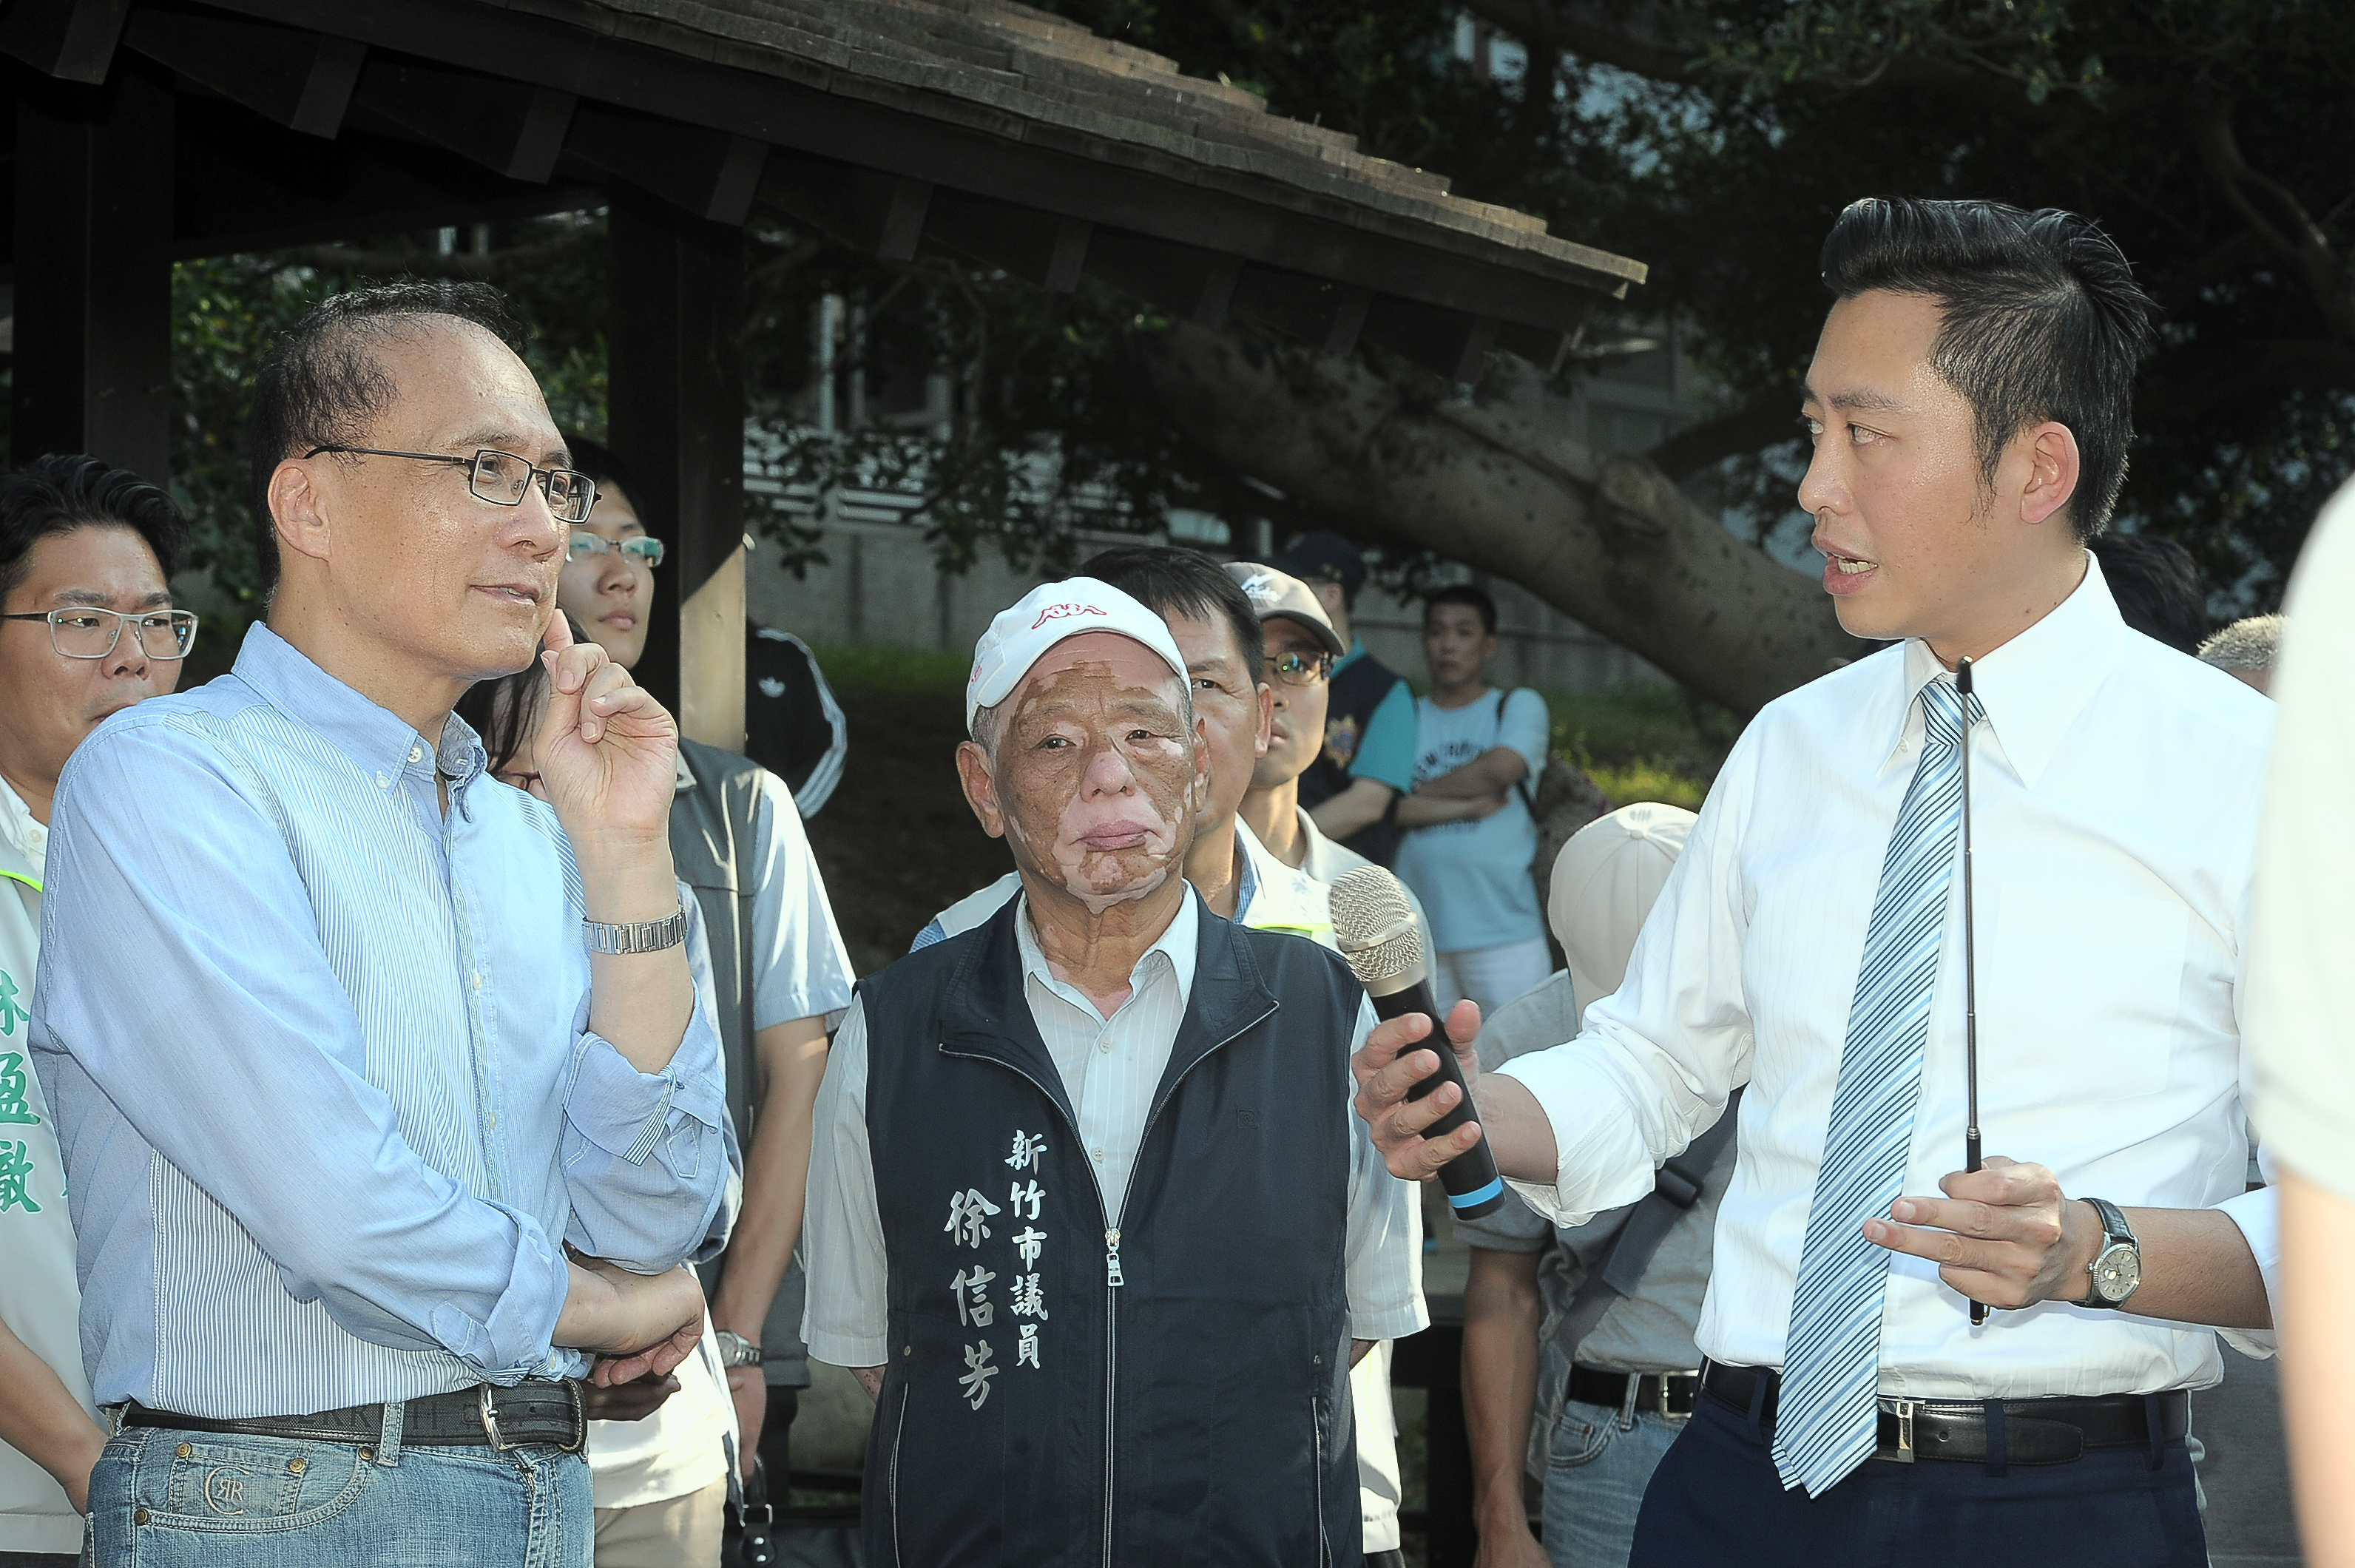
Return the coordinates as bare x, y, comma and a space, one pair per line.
1474, 1188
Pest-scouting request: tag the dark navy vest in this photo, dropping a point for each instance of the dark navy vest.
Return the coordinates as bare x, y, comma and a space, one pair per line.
1164, 1385
1351, 700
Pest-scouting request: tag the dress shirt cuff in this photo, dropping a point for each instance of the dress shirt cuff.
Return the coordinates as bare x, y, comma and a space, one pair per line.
518, 1340
846, 1349
1391, 1323
627, 1113
2258, 1214
1600, 1160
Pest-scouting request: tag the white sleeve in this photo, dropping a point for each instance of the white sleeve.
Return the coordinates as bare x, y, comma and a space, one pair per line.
1385, 1240
2258, 1214
800, 968
847, 1322
1659, 1060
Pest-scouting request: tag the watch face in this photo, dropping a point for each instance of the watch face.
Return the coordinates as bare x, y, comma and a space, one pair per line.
2118, 1272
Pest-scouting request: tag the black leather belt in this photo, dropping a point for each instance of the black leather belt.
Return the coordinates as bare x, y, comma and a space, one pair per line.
1663, 1394
2035, 1431
530, 1412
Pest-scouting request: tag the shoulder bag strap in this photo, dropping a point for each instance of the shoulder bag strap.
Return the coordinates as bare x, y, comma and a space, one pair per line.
1677, 1189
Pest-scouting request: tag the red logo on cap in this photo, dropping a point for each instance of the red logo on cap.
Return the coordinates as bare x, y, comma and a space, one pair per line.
1059, 611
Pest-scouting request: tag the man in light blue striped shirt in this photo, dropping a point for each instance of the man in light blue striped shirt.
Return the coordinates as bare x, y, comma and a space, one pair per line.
389, 1104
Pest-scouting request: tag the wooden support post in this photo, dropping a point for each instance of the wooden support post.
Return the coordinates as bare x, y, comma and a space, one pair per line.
677, 419
93, 215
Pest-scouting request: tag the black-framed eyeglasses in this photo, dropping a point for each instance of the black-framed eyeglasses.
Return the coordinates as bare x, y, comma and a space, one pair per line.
502, 478
639, 551
87, 632
1295, 668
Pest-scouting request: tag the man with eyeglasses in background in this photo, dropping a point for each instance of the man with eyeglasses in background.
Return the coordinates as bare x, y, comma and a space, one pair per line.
86, 557
782, 981
390, 1099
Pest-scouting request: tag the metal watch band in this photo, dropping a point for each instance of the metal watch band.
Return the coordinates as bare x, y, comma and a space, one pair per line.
642, 936
2114, 1230
735, 1350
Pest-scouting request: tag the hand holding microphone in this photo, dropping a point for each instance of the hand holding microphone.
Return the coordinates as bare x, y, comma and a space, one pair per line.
1377, 935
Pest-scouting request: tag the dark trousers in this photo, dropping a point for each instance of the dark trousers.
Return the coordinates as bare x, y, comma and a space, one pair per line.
1716, 1500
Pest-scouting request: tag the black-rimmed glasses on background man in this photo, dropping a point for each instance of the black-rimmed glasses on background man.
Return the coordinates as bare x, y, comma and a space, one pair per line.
501, 478
1296, 669
87, 632
639, 551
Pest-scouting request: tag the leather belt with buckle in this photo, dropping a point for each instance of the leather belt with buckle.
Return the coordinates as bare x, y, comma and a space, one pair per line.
531, 1413
2035, 1431
1663, 1394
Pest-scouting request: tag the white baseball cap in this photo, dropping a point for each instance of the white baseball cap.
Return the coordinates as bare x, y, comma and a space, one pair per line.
1050, 613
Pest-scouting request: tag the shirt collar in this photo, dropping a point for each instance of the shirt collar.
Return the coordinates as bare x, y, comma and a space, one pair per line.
2034, 685
376, 738
21, 832
1178, 946
685, 779
1247, 872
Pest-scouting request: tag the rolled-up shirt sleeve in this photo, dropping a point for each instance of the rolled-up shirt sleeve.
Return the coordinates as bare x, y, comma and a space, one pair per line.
649, 1158
1657, 1061
1384, 1250
184, 974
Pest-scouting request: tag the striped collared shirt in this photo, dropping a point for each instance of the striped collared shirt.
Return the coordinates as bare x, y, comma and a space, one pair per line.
320, 1059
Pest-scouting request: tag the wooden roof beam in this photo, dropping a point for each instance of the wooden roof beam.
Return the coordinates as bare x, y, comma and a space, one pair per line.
710, 175
304, 80
70, 39
512, 128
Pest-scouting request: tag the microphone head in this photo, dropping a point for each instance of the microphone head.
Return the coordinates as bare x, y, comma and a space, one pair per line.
1375, 928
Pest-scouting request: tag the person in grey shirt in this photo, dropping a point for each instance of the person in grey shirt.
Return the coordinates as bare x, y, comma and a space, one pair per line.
1578, 1344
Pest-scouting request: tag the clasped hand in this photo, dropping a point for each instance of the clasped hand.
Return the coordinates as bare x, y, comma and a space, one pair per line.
2005, 1235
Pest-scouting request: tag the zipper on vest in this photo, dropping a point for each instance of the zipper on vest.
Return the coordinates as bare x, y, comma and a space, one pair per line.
1112, 1280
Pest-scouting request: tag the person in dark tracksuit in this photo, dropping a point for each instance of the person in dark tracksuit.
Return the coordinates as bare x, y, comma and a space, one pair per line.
1088, 1210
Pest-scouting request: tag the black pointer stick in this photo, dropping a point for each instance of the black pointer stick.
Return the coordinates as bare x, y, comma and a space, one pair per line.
1970, 962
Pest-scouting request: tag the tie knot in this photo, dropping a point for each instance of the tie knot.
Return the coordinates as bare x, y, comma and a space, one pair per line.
1942, 714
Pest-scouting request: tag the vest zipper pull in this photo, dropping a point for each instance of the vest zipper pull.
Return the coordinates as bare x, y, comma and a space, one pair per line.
1111, 1259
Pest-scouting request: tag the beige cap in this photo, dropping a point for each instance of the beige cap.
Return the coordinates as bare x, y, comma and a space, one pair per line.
1273, 593
1604, 882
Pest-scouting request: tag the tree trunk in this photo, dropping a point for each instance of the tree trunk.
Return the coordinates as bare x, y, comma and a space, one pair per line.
1609, 541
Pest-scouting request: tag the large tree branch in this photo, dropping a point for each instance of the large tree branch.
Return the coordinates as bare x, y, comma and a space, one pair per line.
1611, 541
1744, 430
2277, 217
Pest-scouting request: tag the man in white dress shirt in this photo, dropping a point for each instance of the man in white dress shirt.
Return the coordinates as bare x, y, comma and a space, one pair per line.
1969, 401
1087, 1208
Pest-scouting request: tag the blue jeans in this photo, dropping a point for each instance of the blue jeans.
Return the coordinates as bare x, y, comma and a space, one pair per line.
1595, 1474
161, 1499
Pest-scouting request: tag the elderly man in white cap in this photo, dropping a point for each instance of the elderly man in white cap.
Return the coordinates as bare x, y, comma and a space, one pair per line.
1595, 1404
1088, 1211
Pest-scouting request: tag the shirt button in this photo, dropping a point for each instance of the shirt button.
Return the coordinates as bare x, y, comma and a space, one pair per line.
416, 754
492, 1121
478, 980
383, 781
1098, 1153
1105, 1044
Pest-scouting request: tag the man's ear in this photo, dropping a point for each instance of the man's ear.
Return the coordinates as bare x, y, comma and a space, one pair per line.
1266, 736
2053, 466
1199, 794
980, 788
297, 510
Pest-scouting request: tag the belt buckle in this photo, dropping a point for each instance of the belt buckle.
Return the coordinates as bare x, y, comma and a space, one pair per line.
1667, 1415
579, 1417
491, 1421
1905, 1411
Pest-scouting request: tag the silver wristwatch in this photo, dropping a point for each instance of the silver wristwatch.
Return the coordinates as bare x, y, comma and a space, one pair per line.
642, 936
735, 1350
2116, 1269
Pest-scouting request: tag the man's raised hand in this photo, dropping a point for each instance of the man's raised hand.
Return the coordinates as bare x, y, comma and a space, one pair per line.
1389, 1064
607, 753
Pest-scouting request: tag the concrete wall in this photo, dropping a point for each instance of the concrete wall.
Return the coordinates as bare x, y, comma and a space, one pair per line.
879, 587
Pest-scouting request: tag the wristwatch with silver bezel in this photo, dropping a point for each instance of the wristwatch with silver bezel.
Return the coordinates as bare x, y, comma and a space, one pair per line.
735, 1350
2116, 1270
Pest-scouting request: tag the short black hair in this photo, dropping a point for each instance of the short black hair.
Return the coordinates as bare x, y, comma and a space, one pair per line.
2043, 320
2158, 587
59, 493
1172, 582
605, 467
1463, 593
321, 382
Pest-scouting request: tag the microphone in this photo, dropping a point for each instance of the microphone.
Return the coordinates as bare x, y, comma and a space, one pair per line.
1381, 941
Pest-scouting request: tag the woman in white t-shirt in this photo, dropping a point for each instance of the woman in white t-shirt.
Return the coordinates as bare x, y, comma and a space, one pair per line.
1467, 855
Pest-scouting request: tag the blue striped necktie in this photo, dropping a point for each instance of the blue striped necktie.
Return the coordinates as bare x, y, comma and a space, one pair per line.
1826, 1418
